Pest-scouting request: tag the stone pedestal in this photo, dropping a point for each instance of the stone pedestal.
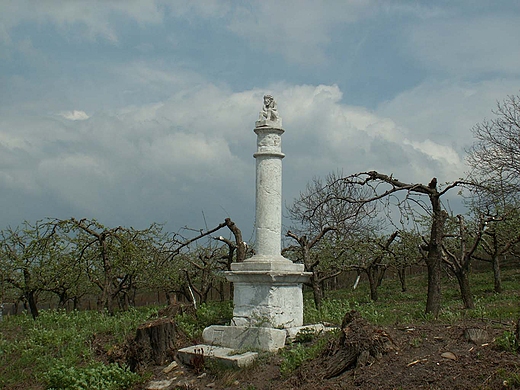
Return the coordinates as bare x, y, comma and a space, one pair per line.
268, 298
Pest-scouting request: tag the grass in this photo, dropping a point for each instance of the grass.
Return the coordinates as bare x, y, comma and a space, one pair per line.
34, 354
396, 307
59, 341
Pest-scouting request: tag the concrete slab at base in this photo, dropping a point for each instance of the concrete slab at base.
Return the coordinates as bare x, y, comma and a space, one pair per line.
243, 337
226, 356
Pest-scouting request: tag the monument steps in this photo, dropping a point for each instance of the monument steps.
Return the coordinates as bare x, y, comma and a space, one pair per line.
236, 346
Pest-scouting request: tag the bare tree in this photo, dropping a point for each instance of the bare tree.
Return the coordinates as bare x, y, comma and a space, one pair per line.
501, 233
314, 219
385, 188
405, 254
459, 252
113, 257
311, 262
374, 258
494, 154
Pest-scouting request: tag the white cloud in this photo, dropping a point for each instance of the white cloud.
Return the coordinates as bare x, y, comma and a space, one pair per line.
74, 115
442, 153
194, 150
445, 111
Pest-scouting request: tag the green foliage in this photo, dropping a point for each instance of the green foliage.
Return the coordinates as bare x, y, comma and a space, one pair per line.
332, 310
295, 355
206, 315
508, 342
97, 376
510, 379
58, 339
396, 307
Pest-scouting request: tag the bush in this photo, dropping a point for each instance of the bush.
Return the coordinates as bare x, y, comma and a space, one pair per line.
94, 377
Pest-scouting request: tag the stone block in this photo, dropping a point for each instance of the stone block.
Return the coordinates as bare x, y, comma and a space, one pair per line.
223, 355
268, 298
245, 338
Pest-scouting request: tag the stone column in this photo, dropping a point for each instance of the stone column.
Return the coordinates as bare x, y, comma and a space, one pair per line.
268, 225
268, 287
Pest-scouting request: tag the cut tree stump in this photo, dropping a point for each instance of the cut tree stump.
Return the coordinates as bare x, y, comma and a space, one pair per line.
154, 342
359, 344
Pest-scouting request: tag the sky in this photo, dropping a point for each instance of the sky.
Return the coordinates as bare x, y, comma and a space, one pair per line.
133, 112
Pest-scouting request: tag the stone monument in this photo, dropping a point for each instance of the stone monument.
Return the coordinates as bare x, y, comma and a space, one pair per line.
268, 298
268, 287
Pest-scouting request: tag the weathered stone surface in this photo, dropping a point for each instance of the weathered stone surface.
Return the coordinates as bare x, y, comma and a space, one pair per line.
244, 338
267, 299
267, 286
159, 385
226, 356
173, 365
268, 223
269, 115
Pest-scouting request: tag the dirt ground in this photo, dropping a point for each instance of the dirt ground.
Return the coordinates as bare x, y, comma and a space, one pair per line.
425, 356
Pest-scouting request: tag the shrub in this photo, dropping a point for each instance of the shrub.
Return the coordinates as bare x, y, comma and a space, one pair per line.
97, 376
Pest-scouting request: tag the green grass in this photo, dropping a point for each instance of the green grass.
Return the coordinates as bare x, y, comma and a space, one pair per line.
30, 349
207, 314
394, 306
34, 354
294, 355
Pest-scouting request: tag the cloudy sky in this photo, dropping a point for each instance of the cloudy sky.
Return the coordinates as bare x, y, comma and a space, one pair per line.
134, 112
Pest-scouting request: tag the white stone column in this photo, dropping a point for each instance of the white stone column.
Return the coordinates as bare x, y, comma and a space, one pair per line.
267, 286
268, 224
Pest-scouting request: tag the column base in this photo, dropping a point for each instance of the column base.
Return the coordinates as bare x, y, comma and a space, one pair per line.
268, 294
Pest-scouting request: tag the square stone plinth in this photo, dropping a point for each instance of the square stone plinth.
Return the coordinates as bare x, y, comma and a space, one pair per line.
271, 298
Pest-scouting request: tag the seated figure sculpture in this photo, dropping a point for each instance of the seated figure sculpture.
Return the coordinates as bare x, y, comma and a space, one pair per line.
269, 112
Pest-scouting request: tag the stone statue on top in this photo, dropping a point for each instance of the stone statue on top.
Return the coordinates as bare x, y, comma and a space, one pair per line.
269, 115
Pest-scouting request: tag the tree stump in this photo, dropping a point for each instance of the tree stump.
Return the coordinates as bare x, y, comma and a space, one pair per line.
476, 335
360, 344
154, 342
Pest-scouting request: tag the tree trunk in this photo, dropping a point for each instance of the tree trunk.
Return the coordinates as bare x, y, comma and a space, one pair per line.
31, 300
316, 290
433, 301
372, 281
496, 274
380, 275
434, 259
465, 290
401, 271
359, 344
63, 298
